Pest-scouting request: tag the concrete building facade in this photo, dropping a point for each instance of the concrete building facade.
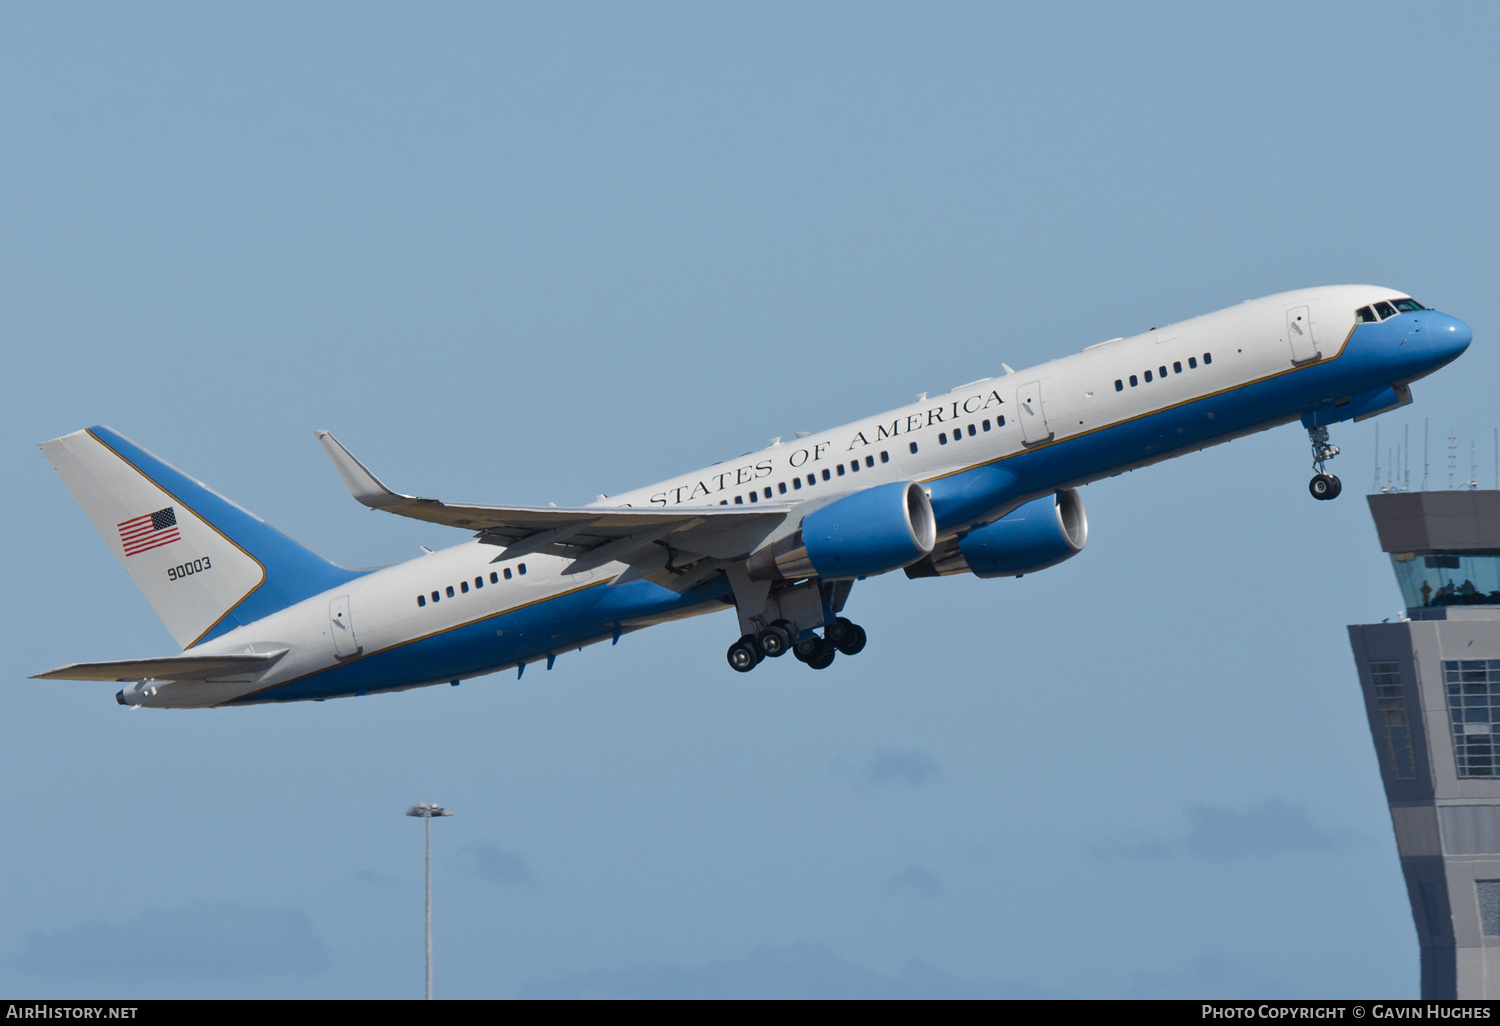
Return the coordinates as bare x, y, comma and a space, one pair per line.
1431, 685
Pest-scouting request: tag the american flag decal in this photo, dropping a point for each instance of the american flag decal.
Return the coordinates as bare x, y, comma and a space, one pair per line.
149, 531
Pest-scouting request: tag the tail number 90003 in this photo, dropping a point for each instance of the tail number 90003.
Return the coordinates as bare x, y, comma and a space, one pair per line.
181, 570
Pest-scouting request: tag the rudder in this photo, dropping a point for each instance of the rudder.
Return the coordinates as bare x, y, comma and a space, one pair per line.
205, 564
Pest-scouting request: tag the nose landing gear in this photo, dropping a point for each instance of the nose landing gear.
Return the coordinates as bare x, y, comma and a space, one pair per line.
1323, 485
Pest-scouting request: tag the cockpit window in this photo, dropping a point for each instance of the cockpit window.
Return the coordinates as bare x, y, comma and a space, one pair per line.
1407, 305
1364, 315
1385, 310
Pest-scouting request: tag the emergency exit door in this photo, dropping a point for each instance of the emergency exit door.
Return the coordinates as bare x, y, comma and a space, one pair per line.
1033, 418
341, 627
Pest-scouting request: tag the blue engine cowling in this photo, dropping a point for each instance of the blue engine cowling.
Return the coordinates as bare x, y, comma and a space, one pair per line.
879, 529
1032, 537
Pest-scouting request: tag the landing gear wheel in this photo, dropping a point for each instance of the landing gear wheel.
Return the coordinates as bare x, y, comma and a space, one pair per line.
775, 640
805, 649
823, 658
853, 641
743, 655
1325, 486
835, 632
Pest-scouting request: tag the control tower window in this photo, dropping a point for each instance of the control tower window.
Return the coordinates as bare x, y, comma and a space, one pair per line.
1390, 703
1488, 893
1407, 305
1473, 687
1385, 310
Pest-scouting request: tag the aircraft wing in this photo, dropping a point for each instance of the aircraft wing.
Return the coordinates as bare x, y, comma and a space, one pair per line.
676, 547
182, 667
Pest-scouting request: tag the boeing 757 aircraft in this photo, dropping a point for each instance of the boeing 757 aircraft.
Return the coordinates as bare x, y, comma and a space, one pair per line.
981, 480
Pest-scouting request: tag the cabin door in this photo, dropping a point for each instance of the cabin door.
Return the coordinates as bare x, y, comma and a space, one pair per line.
1029, 412
1299, 334
345, 646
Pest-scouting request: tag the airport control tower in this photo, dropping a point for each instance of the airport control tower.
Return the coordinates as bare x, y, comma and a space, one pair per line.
1431, 685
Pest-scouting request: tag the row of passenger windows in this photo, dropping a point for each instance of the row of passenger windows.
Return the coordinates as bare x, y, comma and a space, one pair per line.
812, 479
463, 586
1208, 358
958, 432
1383, 310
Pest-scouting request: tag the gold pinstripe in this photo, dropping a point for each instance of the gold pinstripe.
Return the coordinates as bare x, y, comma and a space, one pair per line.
1149, 413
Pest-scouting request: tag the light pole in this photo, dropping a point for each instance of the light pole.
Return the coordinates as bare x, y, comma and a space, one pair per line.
426, 812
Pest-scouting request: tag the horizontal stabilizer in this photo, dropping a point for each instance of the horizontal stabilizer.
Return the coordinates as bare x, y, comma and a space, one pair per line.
183, 667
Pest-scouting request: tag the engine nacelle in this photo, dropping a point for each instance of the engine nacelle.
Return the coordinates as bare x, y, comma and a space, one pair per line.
879, 529
1042, 533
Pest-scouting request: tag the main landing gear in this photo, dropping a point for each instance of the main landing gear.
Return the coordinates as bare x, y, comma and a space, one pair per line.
779, 638
1323, 485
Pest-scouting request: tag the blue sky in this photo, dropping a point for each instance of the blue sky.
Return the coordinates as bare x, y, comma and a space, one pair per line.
534, 253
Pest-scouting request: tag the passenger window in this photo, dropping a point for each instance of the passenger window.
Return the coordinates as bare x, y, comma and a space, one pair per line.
913, 449
1385, 310
1407, 305
1208, 358
434, 596
494, 577
812, 479
521, 569
781, 487
755, 496
1119, 385
739, 500
1192, 363
1364, 315
854, 466
463, 586
1162, 371
987, 423
1176, 366
1133, 381
507, 573
1001, 421
796, 483
479, 582
768, 491
1147, 376
421, 600
723, 502
826, 475
885, 457
841, 469
942, 438
972, 432
450, 591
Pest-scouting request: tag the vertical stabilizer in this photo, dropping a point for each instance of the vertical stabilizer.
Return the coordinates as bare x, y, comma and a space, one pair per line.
205, 565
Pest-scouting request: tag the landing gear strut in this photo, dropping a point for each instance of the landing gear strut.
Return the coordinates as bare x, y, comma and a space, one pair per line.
1323, 485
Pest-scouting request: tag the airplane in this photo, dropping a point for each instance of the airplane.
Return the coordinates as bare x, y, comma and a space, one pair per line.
982, 479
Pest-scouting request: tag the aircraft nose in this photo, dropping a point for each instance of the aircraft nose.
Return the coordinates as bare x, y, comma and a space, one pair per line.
1449, 336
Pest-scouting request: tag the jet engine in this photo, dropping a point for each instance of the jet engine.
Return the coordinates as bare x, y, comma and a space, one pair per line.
1031, 537
879, 529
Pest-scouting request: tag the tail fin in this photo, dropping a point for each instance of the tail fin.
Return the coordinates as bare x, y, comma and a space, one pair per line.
205, 565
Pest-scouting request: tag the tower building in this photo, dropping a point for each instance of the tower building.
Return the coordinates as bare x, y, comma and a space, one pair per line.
1431, 684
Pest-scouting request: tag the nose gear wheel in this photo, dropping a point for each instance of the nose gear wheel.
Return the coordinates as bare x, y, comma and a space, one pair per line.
1323, 485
